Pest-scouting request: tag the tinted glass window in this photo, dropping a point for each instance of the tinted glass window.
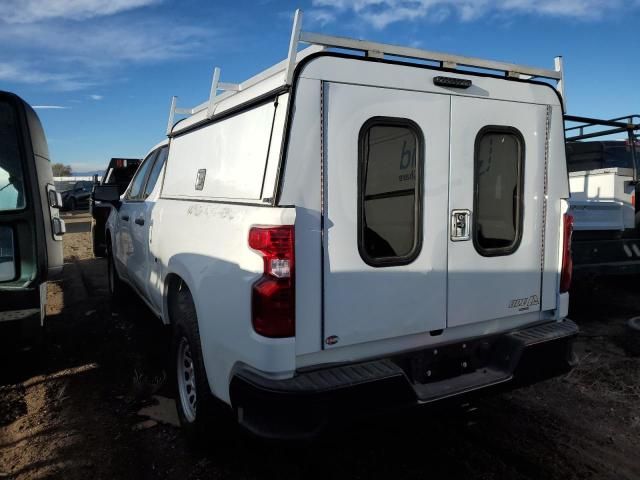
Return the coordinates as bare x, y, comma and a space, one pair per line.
584, 156
390, 174
155, 172
137, 184
498, 191
121, 176
12, 193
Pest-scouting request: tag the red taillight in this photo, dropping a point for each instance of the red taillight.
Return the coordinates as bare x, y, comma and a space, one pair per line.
567, 261
273, 295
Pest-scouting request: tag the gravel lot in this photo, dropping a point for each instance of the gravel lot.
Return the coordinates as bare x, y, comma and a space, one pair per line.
75, 408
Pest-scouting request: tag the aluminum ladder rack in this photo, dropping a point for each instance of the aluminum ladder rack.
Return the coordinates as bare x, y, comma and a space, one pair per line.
321, 42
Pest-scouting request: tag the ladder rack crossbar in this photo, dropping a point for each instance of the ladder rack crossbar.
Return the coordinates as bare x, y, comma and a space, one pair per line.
616, 125
419, 54
319, 42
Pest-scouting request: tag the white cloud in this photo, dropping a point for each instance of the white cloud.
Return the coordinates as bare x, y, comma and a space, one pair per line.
50, 107
380, 13
31, 74
96, 97
29, 11
79, 56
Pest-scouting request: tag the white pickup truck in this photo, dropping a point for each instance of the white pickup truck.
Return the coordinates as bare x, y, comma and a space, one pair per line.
603, 184
344, 232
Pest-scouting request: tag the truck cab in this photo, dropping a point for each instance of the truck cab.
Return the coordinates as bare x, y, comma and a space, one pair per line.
30, 227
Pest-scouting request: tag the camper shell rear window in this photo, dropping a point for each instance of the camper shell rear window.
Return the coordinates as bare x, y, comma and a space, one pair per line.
499, 179
390, 191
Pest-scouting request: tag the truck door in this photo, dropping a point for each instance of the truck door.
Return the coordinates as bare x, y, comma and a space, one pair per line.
386, 177
127, 228
496, 205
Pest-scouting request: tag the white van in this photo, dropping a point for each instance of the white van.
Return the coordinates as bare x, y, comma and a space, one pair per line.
31, 229
346, 232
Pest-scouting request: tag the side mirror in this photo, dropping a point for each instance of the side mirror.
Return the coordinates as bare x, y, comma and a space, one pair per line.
107, 193
55, 199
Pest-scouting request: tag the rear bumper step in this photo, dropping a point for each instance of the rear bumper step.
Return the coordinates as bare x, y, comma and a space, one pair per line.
303, 405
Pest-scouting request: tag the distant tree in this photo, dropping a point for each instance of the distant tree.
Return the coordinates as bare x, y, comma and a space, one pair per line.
60, 170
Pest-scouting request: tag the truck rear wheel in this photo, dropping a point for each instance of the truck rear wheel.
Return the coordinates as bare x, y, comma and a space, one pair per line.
116, 285
199, 412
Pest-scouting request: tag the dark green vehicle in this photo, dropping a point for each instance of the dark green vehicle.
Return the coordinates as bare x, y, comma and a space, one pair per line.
30, 228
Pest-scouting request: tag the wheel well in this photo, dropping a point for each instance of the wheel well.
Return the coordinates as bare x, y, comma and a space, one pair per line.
173, 284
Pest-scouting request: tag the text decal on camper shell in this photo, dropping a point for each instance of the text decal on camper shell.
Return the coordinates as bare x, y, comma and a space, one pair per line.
524, 303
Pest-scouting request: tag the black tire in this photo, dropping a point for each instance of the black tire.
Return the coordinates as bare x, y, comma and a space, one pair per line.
201, 414
632, 337
117, 287
99, 251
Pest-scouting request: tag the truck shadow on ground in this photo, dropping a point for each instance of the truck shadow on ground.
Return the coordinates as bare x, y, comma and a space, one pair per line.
70, 409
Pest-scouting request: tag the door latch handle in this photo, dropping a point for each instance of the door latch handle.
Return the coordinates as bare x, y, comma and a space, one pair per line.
125, 218
139, 221
460, 225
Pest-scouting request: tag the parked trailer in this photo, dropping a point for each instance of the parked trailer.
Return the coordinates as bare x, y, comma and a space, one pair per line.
348, 232
603, 180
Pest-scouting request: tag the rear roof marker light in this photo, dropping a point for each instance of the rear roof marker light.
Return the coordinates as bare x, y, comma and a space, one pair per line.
452, 82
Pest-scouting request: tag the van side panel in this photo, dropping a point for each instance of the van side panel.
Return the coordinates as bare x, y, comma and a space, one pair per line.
206, 244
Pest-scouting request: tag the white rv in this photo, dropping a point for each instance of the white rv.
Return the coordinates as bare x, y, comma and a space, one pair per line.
347, 231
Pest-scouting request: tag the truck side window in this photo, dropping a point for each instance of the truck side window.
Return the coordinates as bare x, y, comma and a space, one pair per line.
155, 171
499, 171
389, 191
138, 181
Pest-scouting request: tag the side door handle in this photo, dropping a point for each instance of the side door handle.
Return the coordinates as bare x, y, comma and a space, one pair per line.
139, 221
460, 225
125, 218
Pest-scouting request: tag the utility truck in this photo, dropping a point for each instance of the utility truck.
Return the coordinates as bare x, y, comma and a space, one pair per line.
603, 180
370, 228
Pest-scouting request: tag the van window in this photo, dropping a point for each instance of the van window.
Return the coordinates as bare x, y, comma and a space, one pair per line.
499, 167
155, 172
137, 184
390, 175
12, 194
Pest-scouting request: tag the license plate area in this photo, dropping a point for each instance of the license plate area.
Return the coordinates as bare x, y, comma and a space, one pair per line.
449, 361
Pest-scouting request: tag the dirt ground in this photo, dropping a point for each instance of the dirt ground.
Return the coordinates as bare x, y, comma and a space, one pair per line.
72, 408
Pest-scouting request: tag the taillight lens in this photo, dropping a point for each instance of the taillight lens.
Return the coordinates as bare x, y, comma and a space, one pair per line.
273, 294
567, 261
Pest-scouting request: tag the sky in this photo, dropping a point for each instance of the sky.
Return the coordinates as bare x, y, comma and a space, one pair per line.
101, 73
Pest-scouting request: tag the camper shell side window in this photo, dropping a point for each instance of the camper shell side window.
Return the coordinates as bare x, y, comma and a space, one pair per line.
390, 170
499, 185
